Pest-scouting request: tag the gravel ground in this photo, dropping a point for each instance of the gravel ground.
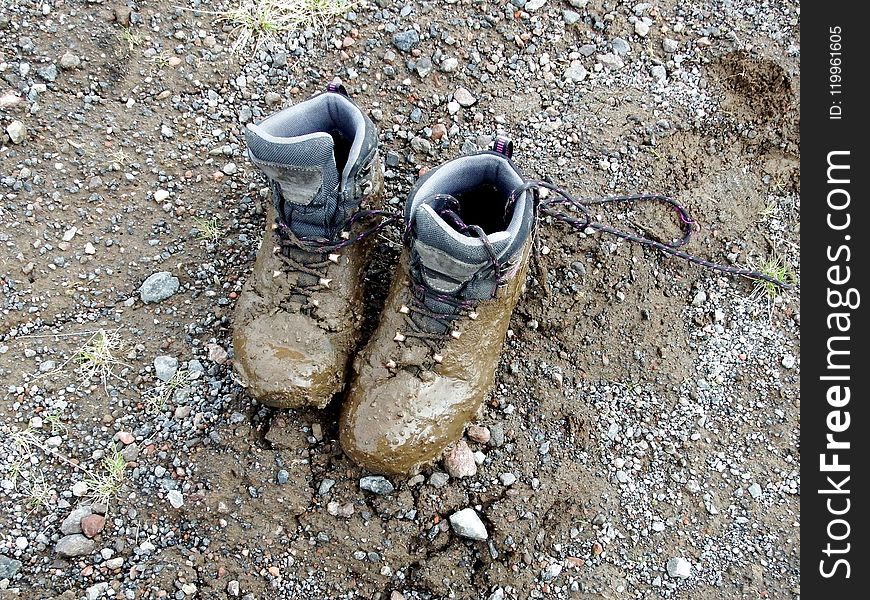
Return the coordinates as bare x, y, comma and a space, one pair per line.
642, 439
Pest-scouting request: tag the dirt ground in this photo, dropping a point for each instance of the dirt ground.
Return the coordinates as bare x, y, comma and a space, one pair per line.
646, 408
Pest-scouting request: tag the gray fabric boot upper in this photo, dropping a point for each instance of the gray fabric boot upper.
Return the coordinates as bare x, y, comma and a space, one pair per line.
317, 156
466, 232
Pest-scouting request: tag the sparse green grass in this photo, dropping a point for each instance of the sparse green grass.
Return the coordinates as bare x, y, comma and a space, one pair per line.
97, 358
257, 20
130, 38
160, 60
39, 492
117, 160
24, 441
104, 486
209, 230
55, 423
770, 211
161, 394
778, 269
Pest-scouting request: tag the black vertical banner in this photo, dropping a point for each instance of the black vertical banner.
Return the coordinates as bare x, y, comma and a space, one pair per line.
835, 357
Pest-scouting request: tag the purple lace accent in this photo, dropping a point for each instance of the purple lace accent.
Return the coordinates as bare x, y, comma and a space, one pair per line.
503, 146
336, 88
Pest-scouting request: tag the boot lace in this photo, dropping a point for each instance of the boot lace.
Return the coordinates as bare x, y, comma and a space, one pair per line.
312, 255
562, 199
436, 325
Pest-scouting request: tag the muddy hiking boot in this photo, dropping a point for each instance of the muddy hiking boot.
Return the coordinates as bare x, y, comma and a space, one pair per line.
426, 369
299, 315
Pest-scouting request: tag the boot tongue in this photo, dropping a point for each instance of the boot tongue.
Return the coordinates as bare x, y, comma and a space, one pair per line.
303, 169
450, 264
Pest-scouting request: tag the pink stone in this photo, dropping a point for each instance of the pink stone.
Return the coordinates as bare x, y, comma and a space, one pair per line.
216, 353
459, 461
479, 434
93, 524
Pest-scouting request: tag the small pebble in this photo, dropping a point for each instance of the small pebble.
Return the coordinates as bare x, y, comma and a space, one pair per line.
466, 523
376, 484
459, 461
176, 499
69, 61
679, 568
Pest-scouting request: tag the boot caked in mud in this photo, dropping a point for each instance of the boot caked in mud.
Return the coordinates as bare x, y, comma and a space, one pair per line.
432, 359
298, 317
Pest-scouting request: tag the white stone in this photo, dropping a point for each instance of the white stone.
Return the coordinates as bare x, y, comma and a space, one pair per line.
679, 568
463, 97
175, 498
97, 590
755, 491
576, 73
641, 28
449, 65
16, 132
466, 523
161, 195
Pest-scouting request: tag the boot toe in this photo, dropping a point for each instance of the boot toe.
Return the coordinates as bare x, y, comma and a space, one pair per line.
401, 423
287, 361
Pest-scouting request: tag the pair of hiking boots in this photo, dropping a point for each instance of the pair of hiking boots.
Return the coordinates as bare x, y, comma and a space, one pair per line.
424, 372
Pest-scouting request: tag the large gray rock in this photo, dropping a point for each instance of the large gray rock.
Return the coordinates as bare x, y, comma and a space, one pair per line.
8, 566
165, 367
158, 286
406, 40
74, 545
69, 61
48, 73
